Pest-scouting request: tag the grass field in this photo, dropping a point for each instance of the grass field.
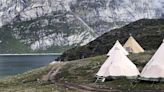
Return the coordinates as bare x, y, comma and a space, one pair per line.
79, 75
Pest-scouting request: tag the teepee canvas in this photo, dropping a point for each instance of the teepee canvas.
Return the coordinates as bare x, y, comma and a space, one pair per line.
154, 69
118, 64
118, 45
132, 46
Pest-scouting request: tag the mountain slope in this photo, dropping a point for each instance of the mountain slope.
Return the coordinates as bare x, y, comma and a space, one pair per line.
148, 32
92, 12
56, 25
51, 33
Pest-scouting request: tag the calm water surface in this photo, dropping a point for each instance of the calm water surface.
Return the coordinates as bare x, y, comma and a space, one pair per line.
12, 65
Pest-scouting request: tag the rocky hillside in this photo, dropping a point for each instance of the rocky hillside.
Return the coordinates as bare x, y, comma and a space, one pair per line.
51, 33
94, 12
56, 25
148, 32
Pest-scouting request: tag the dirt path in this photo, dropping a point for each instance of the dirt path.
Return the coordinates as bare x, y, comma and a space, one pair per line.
84, 88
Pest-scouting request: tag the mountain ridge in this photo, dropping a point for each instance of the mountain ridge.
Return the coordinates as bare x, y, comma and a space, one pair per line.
57, 25
149, 33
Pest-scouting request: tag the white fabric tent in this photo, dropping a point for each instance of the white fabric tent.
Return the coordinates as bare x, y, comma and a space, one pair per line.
154, 69
118, 45
132, 45
118, 64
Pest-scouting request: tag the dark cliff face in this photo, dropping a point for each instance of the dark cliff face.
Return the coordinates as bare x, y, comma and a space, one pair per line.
148, 32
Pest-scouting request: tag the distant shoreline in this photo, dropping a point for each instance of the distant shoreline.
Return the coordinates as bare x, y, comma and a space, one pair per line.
31, 54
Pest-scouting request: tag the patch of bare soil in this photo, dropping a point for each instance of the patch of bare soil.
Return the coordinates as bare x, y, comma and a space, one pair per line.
84, 88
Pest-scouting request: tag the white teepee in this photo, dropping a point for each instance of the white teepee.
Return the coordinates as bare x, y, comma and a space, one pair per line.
118, 64
154, 69
132, 45
117, 45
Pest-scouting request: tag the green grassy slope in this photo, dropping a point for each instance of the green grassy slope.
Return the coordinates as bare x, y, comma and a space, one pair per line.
29, 82
79, 75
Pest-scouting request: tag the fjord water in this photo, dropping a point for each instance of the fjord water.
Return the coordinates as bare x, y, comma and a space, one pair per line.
16, 64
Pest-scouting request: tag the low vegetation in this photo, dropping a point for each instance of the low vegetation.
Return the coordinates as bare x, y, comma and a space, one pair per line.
29, 82
148, 32
79, 75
